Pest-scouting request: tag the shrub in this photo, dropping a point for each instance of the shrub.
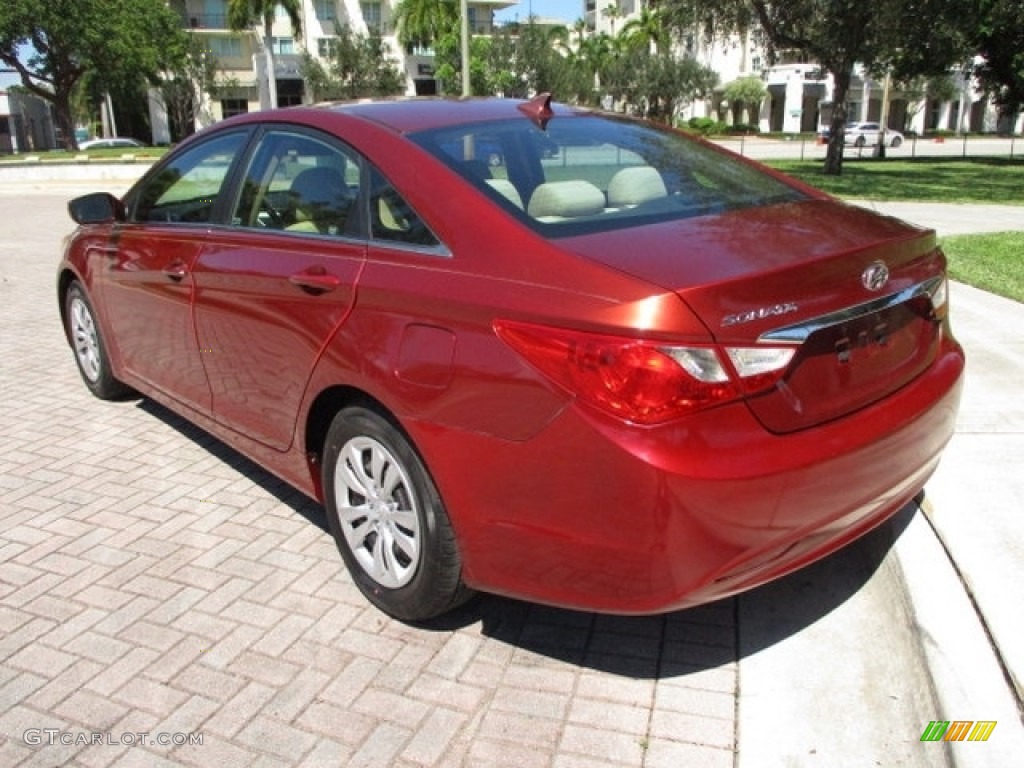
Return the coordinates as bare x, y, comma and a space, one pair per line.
706, 126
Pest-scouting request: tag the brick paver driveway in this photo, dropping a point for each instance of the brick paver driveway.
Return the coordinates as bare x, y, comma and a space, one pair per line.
156, 586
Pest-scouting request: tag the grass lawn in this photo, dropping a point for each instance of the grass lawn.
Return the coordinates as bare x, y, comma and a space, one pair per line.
59, 155
993, 262
997, 180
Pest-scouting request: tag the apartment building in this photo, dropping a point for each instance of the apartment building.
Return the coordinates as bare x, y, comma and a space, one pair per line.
242, 60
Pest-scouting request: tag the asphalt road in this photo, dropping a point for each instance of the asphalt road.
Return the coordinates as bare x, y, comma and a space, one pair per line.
838, 665
808, 149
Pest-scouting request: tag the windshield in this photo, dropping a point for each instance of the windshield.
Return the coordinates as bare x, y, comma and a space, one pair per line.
591, 173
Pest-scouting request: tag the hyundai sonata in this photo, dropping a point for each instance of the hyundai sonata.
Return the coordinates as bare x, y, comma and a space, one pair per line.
524, 348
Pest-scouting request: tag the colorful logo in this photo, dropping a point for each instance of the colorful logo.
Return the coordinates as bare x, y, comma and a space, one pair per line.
958, 730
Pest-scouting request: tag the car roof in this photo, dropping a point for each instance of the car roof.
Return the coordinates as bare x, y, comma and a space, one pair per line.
410, 115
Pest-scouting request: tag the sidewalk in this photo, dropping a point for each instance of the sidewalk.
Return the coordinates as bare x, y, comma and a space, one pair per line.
975, 495
976, 492
953, 218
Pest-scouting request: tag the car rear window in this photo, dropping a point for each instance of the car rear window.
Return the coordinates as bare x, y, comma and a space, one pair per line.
592, 173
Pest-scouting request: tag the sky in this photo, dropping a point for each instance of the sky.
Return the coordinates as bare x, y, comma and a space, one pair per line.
566, 10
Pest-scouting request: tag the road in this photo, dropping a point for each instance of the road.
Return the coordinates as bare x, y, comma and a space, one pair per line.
804, 149
151, 578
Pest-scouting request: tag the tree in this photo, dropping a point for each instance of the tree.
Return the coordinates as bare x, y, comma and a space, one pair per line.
245, 14
881, 35
187, 84
596, 54
357, 66
424, 22
745, 92
61, 40
998, 39
646, 31
656, 85
611, 12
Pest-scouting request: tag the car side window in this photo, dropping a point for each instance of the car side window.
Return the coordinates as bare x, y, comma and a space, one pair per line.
187, 189
299, 183
393, 219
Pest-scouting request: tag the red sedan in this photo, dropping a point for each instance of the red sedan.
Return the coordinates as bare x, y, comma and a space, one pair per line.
524, 348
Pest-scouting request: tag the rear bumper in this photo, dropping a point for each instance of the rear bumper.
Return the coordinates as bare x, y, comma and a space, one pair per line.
598, 515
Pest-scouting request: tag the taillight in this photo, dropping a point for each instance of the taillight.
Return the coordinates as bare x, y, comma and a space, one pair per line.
643, 381
940, 298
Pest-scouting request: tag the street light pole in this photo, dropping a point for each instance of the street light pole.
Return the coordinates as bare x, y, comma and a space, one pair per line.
467, 89
884, 119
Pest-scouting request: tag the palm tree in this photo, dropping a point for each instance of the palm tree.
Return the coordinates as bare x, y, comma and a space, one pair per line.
611, 12
645, 31
579, 28
246, 14
595, 52
422, 22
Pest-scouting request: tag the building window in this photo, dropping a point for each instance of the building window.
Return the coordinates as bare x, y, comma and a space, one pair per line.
326, 46
325, 10
283, 46
226, 47
372, 16
216, 16
232, 107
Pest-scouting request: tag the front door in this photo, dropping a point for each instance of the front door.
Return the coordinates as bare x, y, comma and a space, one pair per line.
147, 283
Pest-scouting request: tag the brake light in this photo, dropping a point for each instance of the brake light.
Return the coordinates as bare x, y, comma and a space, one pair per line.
642, 381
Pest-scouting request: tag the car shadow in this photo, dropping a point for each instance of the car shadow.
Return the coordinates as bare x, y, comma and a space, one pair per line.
288, 495
640, 647
700, 638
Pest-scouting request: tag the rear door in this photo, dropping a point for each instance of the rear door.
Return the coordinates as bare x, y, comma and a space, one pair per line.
274, 288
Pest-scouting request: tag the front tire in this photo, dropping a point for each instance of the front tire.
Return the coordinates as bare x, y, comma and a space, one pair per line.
859, 142
897, 141
83, 332
388, 520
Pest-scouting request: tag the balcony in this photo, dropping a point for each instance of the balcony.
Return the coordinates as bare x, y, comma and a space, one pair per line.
204, 21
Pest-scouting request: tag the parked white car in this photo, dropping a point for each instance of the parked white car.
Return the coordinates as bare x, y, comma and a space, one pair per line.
866, 134
122, 142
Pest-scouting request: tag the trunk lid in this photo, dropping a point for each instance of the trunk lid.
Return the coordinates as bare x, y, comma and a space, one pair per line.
799, 274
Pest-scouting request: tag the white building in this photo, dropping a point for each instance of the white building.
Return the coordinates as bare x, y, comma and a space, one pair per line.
242, 59
800, 94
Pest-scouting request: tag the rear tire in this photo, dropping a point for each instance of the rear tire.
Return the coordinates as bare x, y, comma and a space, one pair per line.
388, 520
859, 142
83, 332
897, 141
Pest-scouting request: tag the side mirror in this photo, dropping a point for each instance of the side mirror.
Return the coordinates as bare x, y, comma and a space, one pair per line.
97, 208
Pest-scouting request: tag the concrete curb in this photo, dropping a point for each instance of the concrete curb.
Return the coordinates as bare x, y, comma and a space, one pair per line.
967, 676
